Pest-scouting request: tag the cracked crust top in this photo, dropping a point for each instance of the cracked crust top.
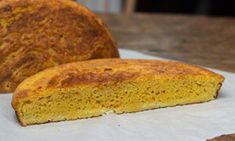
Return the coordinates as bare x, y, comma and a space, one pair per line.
37, 34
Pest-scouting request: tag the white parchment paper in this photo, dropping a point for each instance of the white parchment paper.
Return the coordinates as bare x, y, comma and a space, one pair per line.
184, 123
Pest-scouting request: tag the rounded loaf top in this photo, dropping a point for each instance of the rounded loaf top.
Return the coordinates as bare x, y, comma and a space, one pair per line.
100, 72
37, 34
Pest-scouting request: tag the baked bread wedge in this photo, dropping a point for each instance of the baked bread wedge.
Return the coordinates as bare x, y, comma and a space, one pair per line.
38, 34
92, 88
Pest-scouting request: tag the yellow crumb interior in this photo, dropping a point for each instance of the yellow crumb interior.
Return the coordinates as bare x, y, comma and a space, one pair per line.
125, 97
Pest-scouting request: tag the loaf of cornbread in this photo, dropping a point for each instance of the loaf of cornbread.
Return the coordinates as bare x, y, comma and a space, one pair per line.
92, 88
37, 34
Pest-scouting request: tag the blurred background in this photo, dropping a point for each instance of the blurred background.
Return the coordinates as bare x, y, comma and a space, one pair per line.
201, 7
175, 31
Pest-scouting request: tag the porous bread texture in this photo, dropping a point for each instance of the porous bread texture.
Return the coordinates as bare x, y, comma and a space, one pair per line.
92, 88
38, 34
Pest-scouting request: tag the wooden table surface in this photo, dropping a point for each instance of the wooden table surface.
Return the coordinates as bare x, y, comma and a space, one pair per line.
207, 41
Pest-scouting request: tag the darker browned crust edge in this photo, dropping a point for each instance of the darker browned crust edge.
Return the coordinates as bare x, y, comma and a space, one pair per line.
218, 90
226, 137
19, 120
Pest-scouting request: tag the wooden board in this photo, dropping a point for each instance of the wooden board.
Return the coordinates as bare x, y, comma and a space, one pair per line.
193, 39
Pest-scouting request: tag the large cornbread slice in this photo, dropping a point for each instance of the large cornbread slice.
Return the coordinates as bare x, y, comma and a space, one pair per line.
38, 34
92, 88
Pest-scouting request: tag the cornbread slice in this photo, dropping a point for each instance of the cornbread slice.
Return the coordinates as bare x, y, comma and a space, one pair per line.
92, 88
38, 34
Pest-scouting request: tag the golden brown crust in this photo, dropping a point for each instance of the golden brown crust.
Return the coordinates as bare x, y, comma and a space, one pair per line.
37, 34
18, 119
104, 71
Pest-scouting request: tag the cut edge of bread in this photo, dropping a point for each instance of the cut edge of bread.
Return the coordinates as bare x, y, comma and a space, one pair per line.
210, 82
